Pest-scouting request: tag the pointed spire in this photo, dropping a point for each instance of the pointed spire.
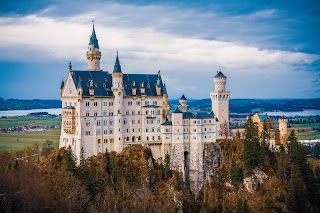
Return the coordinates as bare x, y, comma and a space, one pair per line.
117, 66
62, 84
93, 37
79, 83
164, 89
183, 97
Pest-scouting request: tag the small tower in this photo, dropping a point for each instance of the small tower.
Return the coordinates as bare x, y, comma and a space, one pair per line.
165, 105
220, 100
117, 89
158, 85
61, 87
79, 89
93, 53
283, 128
183, 103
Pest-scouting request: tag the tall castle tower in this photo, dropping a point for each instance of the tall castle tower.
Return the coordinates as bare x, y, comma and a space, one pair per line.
117, 89
220, 100
93, 53
283, 128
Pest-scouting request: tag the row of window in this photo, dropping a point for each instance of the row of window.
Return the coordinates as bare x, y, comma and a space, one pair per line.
130, 103
105, 122
105, 113
186, 130
70, 104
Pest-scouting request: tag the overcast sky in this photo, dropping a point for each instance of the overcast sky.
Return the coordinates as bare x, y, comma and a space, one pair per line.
267, 49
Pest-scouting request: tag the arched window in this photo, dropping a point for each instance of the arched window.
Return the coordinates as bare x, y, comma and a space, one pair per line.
147, 129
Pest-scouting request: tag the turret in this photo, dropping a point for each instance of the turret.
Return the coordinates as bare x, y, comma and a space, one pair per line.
165, 105
158, 85
220, 101
183, 103
283, 128
61, 87
117, 89
93, 53
79, 89
220, 81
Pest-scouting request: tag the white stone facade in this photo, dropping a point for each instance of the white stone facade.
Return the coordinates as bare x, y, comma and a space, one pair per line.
102, 110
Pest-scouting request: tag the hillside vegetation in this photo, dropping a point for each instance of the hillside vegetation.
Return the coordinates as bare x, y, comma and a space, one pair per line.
131, 181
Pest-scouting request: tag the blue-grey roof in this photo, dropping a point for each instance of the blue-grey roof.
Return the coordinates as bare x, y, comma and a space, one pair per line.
183, 97
264, 117
151, 106
167, 123
93, 39
117, 66
220, 75
175, 109
69, 107
102, 82
197, 115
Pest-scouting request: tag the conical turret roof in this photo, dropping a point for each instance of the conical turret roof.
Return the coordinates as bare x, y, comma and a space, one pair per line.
93, 39
117, 66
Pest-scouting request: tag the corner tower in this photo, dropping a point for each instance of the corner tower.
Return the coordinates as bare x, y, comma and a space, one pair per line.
220, 100
93, 53
117, 89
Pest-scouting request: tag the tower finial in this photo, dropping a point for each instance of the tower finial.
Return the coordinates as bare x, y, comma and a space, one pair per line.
70, 65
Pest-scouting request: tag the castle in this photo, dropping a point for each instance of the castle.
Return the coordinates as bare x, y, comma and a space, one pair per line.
277, 136
102, 110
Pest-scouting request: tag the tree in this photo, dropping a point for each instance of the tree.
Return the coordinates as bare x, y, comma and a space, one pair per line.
242, 206
178, 182
70, 160
166, 170
251, 146
225, 130
107, 165
131, 173
46, 148
236, 173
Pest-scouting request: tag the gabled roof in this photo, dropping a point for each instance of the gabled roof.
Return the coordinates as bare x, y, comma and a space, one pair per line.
93, 39
176, 110
264, 117
102, 83
197, 115
219, 75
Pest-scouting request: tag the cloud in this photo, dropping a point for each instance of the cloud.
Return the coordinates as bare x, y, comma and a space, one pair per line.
183, 43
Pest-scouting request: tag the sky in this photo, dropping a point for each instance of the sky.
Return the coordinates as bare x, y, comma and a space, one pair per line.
267, 49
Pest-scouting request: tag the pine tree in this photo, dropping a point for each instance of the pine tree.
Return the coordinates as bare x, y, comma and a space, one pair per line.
242, 206
251, 146
114, 172
106, 158
178, 182
131, 174
236, 173
70, 160
167, 171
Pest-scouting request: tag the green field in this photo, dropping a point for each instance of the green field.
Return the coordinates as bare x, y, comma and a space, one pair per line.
311, 125
29, 120
17, 140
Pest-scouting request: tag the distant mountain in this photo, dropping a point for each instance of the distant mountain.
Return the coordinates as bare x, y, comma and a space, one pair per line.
16, 104
258, 105
236, 105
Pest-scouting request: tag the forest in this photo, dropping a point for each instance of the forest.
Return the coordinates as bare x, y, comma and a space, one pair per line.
46, 179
